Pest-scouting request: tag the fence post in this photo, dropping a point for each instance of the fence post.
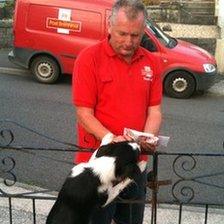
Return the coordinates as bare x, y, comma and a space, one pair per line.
154, 189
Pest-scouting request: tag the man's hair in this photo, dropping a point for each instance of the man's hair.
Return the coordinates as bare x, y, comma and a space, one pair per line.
132, 9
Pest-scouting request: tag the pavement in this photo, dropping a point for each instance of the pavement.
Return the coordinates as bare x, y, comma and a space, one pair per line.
23, 210
8, 67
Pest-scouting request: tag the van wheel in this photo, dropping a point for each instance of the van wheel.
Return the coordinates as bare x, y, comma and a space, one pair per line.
179, 84
45, 69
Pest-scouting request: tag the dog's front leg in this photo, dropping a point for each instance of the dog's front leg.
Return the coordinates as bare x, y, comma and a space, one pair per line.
142, 165
114, 191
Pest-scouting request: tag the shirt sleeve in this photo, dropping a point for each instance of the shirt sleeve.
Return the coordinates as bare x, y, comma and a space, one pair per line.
84, 91
156, 85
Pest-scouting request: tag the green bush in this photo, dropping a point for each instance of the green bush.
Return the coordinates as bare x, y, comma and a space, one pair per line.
151, 2
6, 9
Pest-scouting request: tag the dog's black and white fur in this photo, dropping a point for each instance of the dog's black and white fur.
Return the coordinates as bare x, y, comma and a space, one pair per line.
96, 183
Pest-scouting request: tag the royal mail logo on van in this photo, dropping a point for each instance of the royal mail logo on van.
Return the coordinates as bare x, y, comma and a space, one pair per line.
62, 24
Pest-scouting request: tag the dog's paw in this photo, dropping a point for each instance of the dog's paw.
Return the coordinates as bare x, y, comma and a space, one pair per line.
142, 165
108, 138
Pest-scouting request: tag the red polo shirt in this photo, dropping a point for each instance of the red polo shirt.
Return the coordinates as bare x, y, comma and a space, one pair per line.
120, 93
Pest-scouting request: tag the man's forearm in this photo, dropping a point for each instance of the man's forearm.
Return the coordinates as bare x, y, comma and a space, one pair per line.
154, 120
90, 123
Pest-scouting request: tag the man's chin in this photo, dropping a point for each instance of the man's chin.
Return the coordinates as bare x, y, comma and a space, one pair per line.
127, 53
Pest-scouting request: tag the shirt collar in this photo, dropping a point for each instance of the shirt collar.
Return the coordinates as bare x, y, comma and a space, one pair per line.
109, 50
138, 54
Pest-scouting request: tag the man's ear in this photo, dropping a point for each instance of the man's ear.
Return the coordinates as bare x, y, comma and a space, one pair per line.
109, 26
109, 30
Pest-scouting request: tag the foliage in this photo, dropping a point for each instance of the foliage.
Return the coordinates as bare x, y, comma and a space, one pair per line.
6, 9
151, 2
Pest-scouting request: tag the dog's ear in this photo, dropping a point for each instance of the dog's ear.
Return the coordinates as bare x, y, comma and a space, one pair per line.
131, 171
104, 150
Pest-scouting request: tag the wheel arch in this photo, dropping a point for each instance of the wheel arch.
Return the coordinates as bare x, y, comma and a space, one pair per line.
166, 74
180, 84
45, 54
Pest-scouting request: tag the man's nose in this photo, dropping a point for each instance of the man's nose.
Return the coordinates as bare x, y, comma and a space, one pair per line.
128, 40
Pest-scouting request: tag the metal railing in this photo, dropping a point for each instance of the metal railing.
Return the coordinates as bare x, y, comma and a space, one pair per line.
178, 179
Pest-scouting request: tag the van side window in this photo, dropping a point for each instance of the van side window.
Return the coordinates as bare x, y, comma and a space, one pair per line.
148, 44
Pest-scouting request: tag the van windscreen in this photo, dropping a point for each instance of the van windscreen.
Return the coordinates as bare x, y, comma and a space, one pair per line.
160, 35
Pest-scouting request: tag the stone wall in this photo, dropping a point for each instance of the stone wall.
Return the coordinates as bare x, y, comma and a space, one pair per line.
186, 12
220, 40
6, 35
204, 36
209, 44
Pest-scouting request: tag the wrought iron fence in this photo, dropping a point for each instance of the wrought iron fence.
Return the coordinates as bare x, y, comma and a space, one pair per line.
197, 179
182, 186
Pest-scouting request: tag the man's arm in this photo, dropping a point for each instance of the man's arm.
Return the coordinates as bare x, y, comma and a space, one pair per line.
90, 123
154, 119
152, 125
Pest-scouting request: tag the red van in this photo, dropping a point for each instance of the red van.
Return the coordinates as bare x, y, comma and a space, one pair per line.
49, 34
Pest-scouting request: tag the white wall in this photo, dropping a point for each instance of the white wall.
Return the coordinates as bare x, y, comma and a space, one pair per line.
220, 42
221, 15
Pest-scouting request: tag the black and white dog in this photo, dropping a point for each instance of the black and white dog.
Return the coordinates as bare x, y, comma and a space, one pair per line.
96, 183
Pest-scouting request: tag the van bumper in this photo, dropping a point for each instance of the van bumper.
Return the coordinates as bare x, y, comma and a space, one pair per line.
205, 80
20, 56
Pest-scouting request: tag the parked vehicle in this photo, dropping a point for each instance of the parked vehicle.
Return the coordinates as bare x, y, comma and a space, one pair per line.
49, 34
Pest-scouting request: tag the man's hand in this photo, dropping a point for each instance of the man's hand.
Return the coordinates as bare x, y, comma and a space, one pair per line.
122, 138
109, 138
146, 146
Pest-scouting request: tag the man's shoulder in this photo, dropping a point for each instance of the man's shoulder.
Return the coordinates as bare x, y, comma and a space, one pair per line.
149, 55
146, 52
91, 50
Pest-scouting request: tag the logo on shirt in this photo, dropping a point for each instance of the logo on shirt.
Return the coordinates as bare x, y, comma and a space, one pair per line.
147, 73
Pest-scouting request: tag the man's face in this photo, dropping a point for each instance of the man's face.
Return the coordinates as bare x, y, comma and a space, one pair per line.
125, 35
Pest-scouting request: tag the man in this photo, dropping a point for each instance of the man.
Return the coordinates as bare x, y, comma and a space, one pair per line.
116, 84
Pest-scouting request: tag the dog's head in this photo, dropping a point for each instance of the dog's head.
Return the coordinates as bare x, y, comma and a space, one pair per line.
126, 156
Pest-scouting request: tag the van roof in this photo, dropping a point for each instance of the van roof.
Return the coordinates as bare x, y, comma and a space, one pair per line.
105, 3
70, 3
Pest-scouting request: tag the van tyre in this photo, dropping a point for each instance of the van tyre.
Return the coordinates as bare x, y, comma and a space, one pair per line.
179, 84
45, 69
